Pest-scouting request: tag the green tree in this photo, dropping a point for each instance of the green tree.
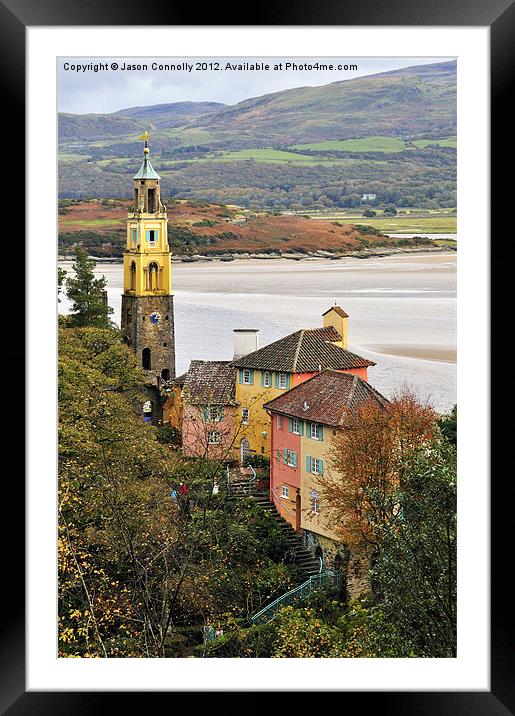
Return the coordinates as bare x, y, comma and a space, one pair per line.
390, 210
135, 571
448, 425
61, 279
87, 293
414, 575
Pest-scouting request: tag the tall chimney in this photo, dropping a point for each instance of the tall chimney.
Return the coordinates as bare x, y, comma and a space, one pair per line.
245, 341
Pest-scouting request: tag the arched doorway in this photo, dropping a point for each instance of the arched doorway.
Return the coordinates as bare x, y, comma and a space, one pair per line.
244, 451
298, 512
319, 554
146, 360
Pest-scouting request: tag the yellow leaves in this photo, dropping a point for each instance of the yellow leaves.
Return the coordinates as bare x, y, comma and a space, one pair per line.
67, 636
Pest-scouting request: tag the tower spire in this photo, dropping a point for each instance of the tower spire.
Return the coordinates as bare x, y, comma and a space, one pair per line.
146, 171
147, 300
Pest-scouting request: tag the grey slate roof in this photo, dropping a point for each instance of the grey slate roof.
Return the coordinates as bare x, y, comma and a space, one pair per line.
209, 382
304, 351
326, 398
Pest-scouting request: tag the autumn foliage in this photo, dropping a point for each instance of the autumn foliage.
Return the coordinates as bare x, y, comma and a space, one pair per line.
370, 454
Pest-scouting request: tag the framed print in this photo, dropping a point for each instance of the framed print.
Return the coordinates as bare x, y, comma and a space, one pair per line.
261, 219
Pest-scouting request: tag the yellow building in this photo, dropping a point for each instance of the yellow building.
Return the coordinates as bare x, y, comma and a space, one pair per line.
266, 373
147, 318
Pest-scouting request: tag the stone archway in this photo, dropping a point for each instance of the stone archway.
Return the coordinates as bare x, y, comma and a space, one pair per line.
146, 359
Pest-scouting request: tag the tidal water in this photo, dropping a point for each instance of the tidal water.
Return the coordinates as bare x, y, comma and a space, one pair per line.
402, 311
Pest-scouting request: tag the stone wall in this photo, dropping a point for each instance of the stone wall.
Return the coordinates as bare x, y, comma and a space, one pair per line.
140, 332
354, 564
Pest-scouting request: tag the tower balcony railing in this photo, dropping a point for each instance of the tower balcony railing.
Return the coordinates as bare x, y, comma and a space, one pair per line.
134, 213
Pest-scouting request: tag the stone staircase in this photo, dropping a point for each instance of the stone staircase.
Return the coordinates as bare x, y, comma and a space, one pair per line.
299, 553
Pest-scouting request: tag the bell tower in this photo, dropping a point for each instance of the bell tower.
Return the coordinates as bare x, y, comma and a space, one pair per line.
147, 319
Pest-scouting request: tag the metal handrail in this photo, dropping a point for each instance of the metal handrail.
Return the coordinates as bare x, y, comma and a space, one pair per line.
282, 505
246, 483
315, 582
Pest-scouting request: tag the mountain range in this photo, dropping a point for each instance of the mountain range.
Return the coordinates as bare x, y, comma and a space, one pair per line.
394, 130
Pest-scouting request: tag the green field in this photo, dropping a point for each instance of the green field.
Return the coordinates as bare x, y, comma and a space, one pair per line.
73, 157
374, 144
435, 222
267, 155
92, 222
445, 142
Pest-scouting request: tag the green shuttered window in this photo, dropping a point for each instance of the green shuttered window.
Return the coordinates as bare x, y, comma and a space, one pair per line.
314, 465
245, 376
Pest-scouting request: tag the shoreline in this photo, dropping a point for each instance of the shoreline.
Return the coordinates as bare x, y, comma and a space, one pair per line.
312, 256
415, 351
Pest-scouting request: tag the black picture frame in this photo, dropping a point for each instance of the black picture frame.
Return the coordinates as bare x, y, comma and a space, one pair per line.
499, 16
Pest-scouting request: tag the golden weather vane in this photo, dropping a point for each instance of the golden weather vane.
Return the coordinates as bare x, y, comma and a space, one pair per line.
144, 136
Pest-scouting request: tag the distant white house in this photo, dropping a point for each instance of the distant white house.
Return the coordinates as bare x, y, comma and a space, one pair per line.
368, 197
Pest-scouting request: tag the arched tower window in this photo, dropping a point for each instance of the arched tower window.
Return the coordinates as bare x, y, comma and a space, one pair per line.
133, 276
165, 374
153, 277
151, 200
146, 361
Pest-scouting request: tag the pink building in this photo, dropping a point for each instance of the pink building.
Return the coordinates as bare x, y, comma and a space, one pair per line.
304, 422
208, 407
285, 469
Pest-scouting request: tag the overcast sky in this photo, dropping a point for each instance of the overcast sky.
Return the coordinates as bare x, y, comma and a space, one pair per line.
108, 90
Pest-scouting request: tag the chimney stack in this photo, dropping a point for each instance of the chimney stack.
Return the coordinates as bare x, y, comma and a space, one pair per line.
245, 341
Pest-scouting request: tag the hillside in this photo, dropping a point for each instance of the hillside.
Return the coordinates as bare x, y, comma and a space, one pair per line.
171, 115
412, 102
391, 134
211, 229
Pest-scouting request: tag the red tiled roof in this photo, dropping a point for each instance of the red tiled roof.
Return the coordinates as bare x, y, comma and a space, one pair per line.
326, 398
339, 310
304, 351
209, 383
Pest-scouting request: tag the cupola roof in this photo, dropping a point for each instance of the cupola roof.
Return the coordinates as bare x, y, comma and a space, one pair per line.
146, 170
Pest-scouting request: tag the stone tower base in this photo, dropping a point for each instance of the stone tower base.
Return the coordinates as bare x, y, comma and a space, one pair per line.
147, 324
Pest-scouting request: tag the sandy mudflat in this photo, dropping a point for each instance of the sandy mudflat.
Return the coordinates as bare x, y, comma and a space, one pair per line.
444, 354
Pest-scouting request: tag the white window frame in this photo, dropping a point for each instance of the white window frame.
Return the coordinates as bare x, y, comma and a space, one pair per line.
315, 431
216, 413
245, 416
315, 505
314, 466
288, 453
153, 241
285, 491
295, 426
214, 437
245, 375
267, 379
281, 377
